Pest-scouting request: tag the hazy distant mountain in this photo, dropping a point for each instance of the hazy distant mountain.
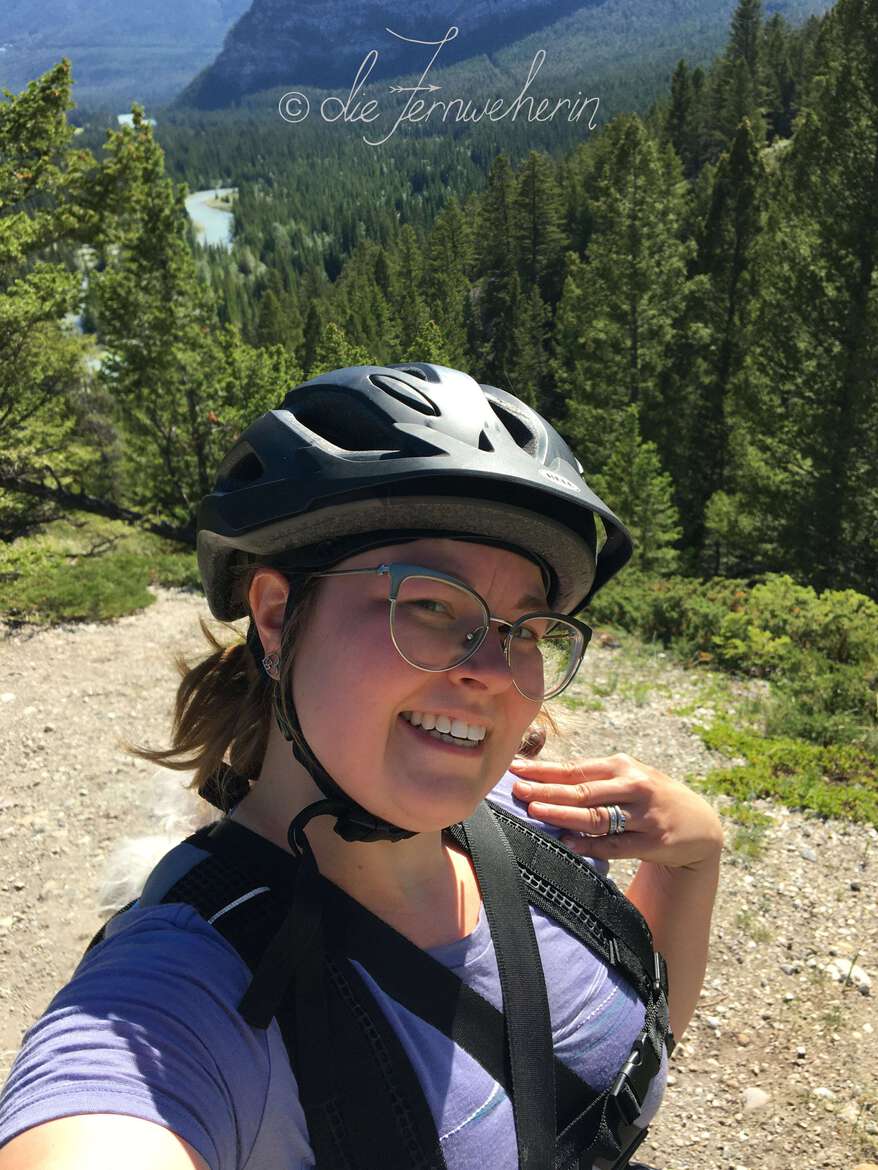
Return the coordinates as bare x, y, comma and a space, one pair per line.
121, 50
278, 44
322, 42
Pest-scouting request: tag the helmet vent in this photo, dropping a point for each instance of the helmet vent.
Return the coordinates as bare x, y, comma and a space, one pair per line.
521, 433
485, 443
414, 371
246, 470
343, 420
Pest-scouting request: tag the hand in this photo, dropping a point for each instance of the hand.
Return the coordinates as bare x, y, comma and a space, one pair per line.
666, 822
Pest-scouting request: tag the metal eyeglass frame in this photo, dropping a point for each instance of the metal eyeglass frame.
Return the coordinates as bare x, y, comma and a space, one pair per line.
399, 571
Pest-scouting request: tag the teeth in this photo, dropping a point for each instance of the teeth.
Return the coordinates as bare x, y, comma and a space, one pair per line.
463, 743
445, 726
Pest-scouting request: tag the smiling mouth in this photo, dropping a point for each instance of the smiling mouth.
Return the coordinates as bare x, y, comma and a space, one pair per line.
466, 745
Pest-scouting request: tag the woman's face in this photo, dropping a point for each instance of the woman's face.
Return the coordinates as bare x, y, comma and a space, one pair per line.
352, 689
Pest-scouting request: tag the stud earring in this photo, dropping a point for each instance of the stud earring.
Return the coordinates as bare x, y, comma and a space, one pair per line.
271, 664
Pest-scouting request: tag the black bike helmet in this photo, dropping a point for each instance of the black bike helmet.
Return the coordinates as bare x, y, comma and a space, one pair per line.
375, 455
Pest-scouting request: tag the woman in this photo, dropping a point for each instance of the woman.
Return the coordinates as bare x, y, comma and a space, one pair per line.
409, 546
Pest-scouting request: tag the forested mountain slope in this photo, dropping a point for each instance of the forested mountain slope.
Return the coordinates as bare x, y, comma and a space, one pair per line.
320, 43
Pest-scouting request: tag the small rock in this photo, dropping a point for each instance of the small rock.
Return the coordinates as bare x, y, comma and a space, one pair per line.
824, 1093
856, 887
843, 971
7, 697
754, 1098
743, 1039
808, 853
801, 1053
713, 1022
866, 1166
850, 1112
867, 1028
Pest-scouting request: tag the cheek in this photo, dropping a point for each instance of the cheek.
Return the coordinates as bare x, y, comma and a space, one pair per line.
348, 683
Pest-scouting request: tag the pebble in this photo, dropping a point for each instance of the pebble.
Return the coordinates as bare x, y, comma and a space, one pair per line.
843, 971
808, 853
7, 697
824, 1093
754, 1098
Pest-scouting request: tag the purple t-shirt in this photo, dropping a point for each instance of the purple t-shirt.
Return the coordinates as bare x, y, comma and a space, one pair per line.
148, 1027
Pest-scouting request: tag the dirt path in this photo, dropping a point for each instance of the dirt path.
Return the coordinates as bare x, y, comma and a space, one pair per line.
770, 1024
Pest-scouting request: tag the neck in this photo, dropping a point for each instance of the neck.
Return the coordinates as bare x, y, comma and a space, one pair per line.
422, 886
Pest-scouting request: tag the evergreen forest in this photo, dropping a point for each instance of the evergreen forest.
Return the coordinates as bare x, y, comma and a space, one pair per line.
689, 295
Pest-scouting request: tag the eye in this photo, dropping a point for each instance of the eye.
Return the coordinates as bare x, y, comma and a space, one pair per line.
431, 605
429, 608
526, 634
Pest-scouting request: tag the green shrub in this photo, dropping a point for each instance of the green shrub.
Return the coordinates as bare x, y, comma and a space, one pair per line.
833, 781
87, 568
819, 651
82, 590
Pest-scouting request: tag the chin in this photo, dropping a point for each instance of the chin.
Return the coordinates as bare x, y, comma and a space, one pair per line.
441, 805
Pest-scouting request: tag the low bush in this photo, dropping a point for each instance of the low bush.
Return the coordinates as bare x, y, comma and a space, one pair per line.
820, 651
85, 568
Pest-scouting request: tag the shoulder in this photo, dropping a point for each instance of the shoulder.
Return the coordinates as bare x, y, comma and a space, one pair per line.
148, 1027
501, 795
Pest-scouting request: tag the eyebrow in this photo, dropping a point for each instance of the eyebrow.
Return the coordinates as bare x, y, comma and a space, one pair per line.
527, 602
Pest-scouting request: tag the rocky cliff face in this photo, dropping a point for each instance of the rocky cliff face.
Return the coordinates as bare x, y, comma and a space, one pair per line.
285, 43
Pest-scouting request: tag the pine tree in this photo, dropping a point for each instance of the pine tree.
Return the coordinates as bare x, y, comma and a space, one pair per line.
617, 314
271, 327
410, 307
641, 494
680, 125
528, 360
449, 265
780, 84
538, 227
335, 351
43, 210
738, 88
499, 288
721, 315
810, 387
429, 346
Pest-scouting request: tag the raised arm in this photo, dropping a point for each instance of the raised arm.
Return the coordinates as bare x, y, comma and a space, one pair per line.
673, 831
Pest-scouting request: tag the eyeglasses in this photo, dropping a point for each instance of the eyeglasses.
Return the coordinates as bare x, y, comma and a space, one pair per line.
437, 622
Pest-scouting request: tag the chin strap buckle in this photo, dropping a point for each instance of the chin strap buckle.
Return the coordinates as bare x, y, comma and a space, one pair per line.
356, 824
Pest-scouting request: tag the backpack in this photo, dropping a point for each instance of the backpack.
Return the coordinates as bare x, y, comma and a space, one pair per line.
297, 933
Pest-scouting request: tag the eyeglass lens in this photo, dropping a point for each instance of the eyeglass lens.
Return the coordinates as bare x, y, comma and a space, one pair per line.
435, 624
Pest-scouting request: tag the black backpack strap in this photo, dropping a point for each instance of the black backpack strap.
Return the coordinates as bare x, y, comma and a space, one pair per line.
528, 1026
595, 910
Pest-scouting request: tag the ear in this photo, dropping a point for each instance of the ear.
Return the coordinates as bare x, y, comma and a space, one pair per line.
268, 594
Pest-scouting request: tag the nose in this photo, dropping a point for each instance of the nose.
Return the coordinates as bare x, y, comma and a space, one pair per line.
488, 666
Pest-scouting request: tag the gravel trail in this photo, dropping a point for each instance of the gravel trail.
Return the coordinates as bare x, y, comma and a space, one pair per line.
779, 1067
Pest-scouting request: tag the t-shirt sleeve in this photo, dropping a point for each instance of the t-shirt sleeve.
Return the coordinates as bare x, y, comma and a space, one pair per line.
148, 1027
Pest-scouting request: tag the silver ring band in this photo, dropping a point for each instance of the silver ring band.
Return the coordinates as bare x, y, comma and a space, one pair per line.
617, 819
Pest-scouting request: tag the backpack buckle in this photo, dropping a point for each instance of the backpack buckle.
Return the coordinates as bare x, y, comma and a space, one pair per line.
622, 1092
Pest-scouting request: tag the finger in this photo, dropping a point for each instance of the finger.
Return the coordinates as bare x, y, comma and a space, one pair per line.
587, 768
582, 794
595, 821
